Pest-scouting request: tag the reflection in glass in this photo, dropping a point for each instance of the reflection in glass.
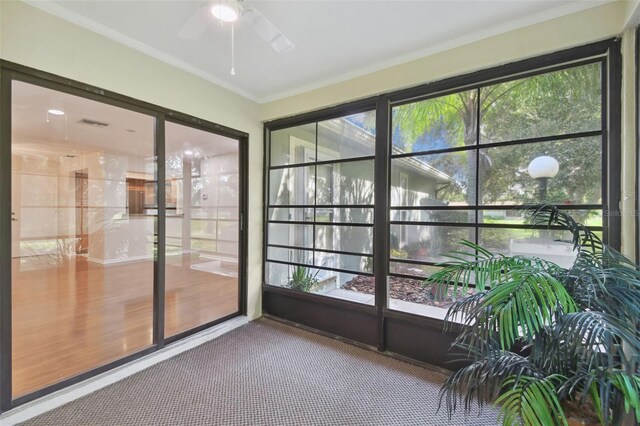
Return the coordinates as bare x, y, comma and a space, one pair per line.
82, 236
202, 193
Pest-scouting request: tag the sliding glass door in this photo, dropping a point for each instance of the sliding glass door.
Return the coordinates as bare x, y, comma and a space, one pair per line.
125, 231
82, 250
202, 191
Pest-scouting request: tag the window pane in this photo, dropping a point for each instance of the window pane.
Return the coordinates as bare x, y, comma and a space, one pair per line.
510, 216
445, 122
292, 186
318, 281
291, 235
436, 179
545, 244
345, 183
290, 255
345, 238
344, 215
412, 269
452, 216
203, 190
293, 145
296, 214
416, 297
427, 243
504, 178
344, 261
83, 215
347, 137
556, 103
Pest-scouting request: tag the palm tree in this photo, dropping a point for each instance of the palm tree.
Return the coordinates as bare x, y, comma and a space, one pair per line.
539, 336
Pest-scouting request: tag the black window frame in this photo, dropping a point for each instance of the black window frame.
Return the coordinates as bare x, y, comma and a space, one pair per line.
607, 51
9, 72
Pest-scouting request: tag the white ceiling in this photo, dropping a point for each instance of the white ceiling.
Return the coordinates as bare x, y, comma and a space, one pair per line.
334, 40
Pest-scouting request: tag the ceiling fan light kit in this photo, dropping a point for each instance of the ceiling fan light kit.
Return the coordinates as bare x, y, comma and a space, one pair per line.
226, 12
233, 12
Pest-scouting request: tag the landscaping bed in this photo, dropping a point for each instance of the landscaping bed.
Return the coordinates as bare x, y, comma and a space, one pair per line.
406, 289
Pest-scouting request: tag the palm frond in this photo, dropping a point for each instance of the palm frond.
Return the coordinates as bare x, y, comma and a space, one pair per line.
531, 401
528, 300
596, 341
482, 380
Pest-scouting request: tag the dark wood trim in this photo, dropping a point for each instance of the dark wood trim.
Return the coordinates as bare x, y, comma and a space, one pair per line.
381, 213
161, 243
316, 298
6, 375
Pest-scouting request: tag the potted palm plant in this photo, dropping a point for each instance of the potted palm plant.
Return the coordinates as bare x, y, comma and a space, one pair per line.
539, 338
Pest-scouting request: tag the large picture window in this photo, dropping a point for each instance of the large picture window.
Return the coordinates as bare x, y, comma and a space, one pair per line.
320, 211
462, 161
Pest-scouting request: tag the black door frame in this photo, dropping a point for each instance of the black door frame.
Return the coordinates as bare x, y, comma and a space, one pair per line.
10, 72
405, 334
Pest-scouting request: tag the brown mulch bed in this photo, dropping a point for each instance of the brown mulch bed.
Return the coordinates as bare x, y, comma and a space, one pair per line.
404, 289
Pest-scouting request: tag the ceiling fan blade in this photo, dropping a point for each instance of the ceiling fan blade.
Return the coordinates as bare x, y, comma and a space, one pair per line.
265, 29
196, 25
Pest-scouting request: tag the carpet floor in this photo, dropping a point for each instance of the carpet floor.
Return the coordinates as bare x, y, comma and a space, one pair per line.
267, 373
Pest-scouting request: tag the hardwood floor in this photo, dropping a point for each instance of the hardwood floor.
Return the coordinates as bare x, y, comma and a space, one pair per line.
72, 317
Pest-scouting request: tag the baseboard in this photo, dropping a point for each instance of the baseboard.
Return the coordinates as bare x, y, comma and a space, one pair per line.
56, 399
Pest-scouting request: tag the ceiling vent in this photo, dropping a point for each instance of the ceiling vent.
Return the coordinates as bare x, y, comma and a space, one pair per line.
93, 123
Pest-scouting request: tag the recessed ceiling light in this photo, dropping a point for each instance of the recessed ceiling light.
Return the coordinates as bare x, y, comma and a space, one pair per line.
55, 112
188, 153
224, 12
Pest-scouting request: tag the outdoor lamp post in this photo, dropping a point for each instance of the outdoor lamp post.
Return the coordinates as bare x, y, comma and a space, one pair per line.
542, 169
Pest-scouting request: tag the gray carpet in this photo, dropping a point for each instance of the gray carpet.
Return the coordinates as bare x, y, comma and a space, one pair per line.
267, 373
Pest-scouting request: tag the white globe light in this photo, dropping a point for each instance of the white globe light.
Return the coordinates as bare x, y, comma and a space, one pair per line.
543, 167
225, 12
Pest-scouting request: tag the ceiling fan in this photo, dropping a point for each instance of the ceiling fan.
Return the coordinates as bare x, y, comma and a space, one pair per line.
232, 11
